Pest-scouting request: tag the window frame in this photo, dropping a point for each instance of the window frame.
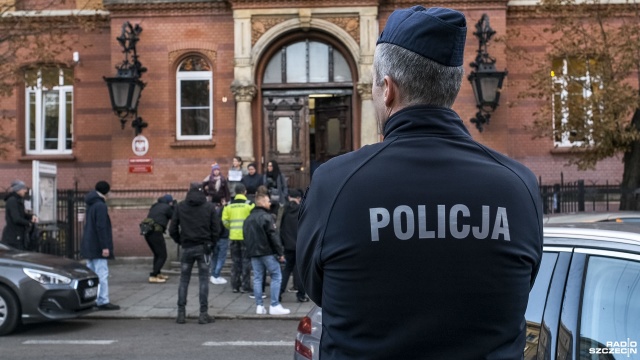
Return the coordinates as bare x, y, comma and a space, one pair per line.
190, 76
39, 92
560, 84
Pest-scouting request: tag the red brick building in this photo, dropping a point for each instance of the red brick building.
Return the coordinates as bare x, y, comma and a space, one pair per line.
266, 80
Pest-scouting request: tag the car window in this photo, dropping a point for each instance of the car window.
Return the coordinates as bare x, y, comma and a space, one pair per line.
537, 301
610, 315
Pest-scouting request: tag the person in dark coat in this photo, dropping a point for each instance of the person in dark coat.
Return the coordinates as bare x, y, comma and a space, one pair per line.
195, 227
264, 248
425, 245
160, 212
275, 182
252, 181
17, 220
216, 186
97, 241
288, 234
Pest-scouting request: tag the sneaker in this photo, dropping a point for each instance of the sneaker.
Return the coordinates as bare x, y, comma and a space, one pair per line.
260, 310
204, 318
278, 310
162, 276
108, 306
235, 290
217, 280
253, 296
303, 299
293, 289
156, 280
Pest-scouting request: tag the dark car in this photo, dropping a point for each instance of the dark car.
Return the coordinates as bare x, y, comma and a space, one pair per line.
37, 287
585, 303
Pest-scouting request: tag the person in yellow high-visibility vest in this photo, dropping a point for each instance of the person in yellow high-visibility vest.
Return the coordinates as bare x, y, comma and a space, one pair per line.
233, 217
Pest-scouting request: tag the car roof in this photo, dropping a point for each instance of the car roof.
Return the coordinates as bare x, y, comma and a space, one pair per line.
604, 216
599, 235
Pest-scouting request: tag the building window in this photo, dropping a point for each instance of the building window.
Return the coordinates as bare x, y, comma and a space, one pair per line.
49, 110
574, 84
322, 64
194, 99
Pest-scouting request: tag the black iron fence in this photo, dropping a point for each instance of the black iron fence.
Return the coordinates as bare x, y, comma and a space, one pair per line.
578, 196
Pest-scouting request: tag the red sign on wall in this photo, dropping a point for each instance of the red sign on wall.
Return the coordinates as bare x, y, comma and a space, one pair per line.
140, 165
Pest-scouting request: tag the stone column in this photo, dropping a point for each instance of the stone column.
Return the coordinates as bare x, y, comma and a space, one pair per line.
369, 126
244, 93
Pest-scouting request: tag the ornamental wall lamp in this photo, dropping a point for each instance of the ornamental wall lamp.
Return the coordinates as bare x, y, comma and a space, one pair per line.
485, 80
125, 88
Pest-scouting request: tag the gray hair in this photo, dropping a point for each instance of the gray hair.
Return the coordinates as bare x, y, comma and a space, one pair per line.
421, 80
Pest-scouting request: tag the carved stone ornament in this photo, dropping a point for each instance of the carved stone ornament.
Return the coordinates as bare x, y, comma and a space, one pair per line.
349, 24
243, 92
176, 54
364, 90
262, 24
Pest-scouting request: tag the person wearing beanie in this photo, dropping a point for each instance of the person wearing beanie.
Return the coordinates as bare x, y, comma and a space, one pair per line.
216, 186
437, 263
97, 241
17, 220
159, 215
196, 228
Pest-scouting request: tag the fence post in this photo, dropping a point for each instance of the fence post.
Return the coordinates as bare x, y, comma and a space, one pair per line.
581, 192
70, 222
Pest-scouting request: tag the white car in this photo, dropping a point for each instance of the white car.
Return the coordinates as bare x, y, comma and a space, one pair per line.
585, 303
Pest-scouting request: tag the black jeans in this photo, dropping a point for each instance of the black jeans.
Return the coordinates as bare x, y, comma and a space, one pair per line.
189, 256
158, 247
241, 266
290, 268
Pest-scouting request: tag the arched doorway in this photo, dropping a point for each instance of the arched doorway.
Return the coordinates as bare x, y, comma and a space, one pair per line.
306, 86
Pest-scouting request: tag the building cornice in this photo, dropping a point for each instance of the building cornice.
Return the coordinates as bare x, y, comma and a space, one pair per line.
159, 7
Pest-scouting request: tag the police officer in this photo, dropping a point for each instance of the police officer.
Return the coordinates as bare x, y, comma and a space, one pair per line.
423, 246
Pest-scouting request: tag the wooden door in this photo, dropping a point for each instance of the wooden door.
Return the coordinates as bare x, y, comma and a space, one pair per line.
286, 137
333, 127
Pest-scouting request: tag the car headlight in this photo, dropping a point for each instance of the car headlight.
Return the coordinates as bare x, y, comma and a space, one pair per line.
44, 277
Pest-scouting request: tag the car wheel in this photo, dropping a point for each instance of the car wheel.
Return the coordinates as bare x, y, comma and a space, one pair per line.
8, 311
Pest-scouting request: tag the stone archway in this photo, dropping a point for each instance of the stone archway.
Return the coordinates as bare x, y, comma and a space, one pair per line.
255, 30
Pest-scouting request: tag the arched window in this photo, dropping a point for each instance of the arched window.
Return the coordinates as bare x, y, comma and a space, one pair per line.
307, 62
49, 110
194, 99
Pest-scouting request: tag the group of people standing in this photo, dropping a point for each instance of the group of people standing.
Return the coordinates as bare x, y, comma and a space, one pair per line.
236, 213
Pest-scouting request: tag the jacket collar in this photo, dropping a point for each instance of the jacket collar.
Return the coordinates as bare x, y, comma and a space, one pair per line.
425, 119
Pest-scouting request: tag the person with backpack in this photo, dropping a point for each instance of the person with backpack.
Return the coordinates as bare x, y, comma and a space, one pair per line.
159, 215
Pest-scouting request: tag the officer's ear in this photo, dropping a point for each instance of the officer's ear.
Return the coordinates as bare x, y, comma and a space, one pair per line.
390, 91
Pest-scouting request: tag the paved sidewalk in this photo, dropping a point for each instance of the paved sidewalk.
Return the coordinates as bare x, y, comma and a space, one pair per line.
129, 288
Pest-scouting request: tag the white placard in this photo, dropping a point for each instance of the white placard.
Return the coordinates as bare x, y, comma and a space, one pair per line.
235, 175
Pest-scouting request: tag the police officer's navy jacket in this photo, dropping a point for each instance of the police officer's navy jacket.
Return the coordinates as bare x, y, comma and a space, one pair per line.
423, 246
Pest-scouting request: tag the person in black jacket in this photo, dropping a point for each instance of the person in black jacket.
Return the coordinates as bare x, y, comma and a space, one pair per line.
195, 227
97, 241
265, 250
252, 181
161, 212
16, 219
288, 234
425, 245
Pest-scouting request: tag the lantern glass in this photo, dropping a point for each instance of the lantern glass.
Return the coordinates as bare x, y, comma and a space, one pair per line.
489, 89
